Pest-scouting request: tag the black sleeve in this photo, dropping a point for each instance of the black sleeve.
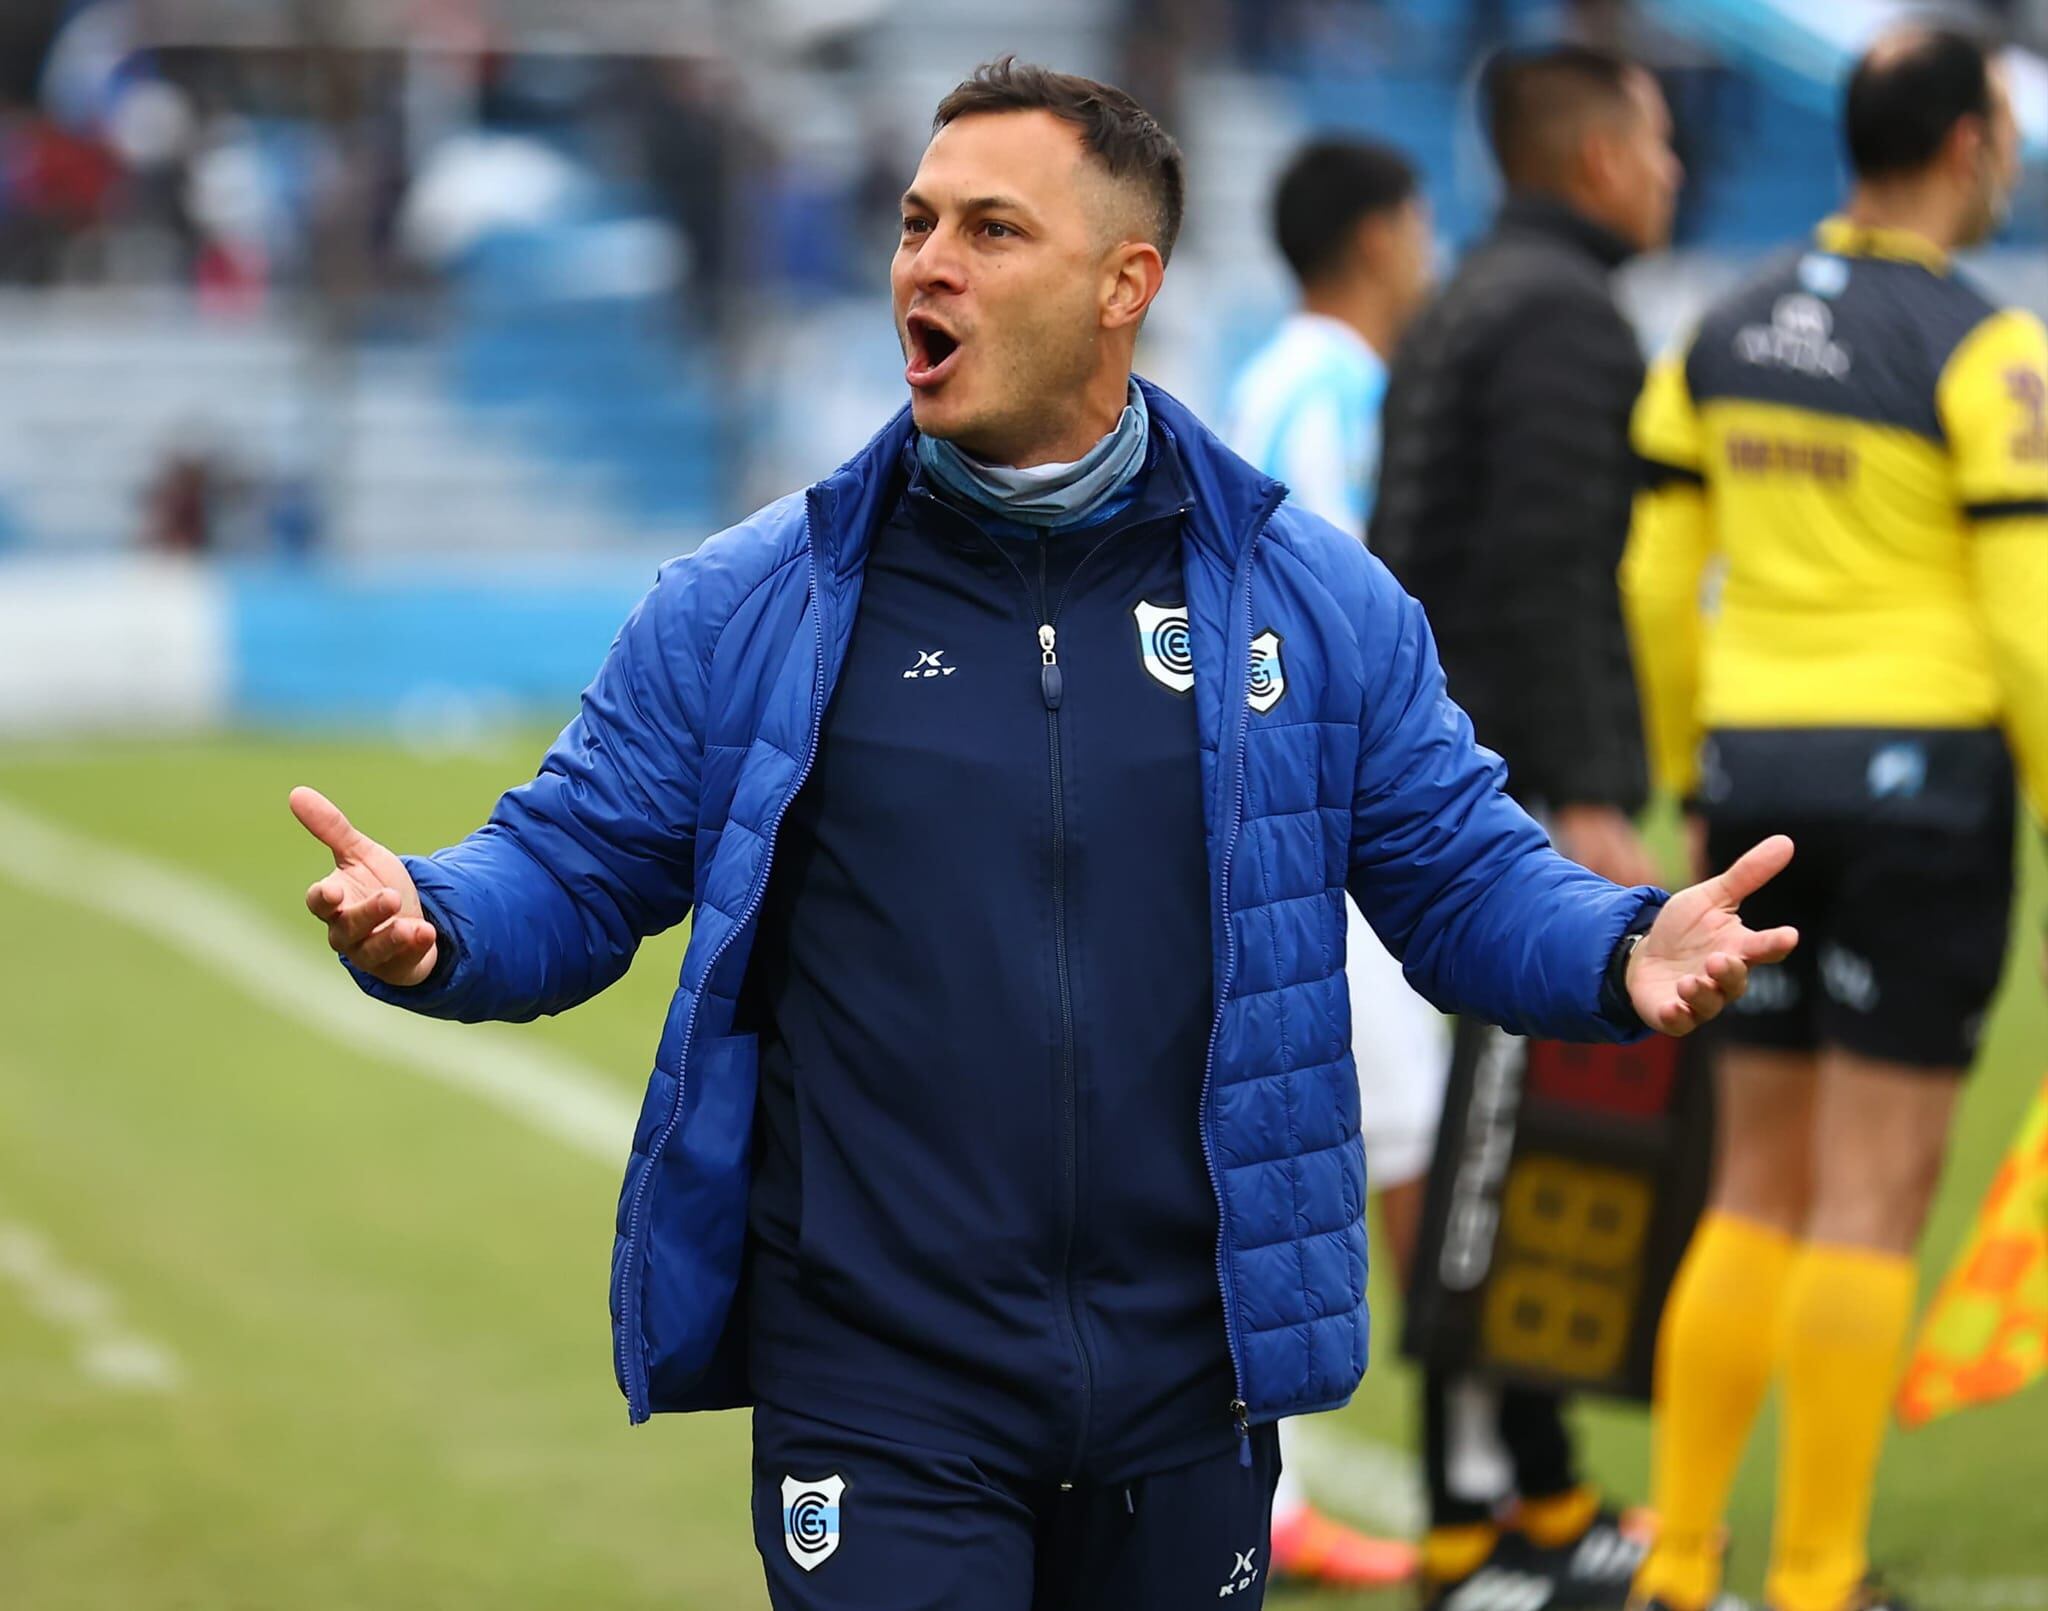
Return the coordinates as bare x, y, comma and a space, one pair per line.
1560, 479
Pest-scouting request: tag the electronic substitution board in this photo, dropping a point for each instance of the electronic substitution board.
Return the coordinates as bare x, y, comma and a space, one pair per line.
1566, 1183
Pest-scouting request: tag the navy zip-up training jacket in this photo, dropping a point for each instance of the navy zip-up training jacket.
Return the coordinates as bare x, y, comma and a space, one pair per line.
984, 946
1331, 758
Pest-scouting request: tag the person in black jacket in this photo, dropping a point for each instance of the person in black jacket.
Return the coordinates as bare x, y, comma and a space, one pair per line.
1505, 490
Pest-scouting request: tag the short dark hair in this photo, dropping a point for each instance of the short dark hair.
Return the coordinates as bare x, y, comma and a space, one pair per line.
1535, 98
1906, 95
1326, 191
1115, 130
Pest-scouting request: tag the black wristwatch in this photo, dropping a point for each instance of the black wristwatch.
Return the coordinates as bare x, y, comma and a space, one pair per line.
1614, 997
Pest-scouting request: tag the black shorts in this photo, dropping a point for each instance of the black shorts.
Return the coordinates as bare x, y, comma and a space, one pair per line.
1901, 887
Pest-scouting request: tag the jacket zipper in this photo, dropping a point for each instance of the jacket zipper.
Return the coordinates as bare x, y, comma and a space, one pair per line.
1052, 689
1240, 693
1052, 685
632, 1366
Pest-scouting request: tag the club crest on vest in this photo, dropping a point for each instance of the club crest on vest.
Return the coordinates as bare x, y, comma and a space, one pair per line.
1164, 645
810, 1520
1269, 677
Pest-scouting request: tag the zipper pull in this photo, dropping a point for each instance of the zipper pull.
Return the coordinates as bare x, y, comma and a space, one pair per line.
1240, 1415
1050, 683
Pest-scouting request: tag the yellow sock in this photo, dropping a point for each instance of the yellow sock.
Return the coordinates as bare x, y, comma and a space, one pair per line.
1847, 1312
1560, 1519
1716, 1350
1449, 1553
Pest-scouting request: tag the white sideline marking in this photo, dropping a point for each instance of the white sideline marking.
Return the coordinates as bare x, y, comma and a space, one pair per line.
290, 972
557, 1095
107, 1351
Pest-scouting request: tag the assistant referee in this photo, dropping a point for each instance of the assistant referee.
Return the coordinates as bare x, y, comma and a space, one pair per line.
1858, 439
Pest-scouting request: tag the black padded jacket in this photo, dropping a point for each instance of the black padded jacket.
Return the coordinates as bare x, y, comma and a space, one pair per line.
1506, 482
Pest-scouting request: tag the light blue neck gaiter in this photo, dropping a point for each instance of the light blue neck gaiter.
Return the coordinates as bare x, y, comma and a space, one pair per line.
1045, 495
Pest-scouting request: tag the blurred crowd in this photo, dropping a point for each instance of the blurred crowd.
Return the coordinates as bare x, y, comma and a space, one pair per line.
725, 175
237, 171
238, 167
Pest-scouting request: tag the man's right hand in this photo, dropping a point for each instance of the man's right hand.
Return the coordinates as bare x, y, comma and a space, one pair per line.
369, 903
1603, 840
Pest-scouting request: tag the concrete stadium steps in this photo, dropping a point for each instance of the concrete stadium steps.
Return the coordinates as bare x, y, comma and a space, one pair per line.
610, 388
100, 388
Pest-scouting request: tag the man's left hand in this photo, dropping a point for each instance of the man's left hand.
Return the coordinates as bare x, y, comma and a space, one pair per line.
1696, 958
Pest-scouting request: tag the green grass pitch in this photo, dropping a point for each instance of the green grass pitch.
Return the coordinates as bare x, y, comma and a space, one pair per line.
386, 1300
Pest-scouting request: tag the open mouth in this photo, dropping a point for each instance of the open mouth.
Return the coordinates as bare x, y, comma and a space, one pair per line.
934, 351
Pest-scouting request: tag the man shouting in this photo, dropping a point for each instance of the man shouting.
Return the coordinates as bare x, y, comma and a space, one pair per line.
1001, 1147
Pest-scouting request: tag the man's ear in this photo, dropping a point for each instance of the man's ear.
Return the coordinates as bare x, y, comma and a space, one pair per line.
1368, 246
1132, 275
1969, 143
1597, 160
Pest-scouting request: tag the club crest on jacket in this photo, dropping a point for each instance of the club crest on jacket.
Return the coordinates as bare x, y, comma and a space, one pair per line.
1269, 676
1164, 645
1167, 651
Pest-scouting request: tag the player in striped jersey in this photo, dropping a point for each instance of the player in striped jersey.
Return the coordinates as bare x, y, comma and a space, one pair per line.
1355, 229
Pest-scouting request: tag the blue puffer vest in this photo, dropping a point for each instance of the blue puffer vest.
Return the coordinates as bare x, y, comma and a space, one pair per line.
1332, 758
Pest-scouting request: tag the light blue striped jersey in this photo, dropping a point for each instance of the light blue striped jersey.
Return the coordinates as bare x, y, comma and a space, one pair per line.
1306, 410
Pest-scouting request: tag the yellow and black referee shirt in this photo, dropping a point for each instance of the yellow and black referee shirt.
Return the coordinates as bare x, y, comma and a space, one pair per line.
1860, 439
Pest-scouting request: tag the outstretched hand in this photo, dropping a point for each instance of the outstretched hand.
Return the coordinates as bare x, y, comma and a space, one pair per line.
369, 903
1696, 958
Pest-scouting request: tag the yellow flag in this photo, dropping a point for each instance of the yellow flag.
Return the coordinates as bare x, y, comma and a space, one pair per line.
1987, 1334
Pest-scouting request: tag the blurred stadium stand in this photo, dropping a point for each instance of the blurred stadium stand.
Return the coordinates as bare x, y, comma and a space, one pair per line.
444, 316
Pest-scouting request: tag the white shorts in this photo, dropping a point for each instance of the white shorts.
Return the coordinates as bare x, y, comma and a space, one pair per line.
1403, 1048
